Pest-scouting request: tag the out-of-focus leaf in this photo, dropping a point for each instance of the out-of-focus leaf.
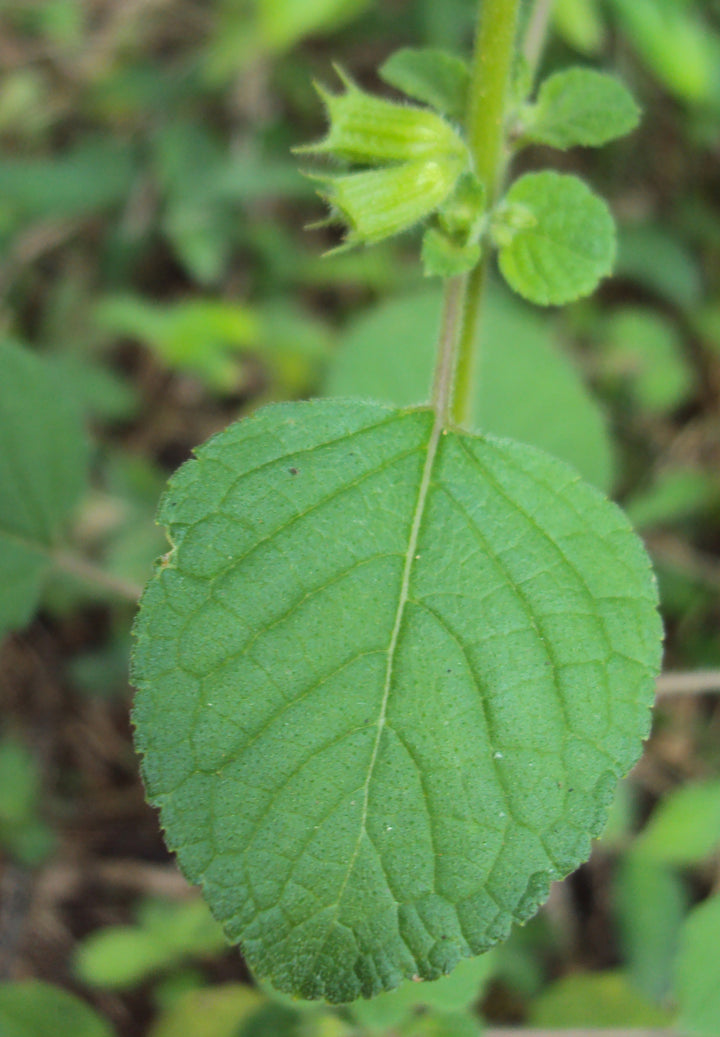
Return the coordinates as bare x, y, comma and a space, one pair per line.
674, 495
43, 470
97, 175
697, 980
102, 393
23, 833
199, 336
452, 993
526, 388
595, 999
283, 22
436, 1023
580, 24
650, 255
213, 1012
122, 956
35, 1009
675, 41
643, 350
650, 904
684, 827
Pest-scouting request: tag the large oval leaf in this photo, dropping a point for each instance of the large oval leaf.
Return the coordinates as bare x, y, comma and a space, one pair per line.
388, 676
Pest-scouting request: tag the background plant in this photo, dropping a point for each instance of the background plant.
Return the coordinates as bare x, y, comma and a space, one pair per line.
64, 252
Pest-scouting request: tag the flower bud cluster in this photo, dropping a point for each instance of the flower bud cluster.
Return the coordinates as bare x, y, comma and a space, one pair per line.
413, 159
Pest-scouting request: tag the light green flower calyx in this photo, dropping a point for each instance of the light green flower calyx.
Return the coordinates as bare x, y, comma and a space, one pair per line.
412, 159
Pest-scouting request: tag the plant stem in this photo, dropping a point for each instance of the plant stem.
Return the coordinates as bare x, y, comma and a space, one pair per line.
445, 366
487, 104
88, 572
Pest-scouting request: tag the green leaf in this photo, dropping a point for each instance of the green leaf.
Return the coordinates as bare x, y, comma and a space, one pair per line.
557, 415
568, 246
199, 336
580, 106
123, 956
283, 22
43, 468
651, 904
685, 826
35, 1009
91, 178
214, 1012
697, 981
675, 41
431, 76
675, 495
595, 999
387, 679
22, 831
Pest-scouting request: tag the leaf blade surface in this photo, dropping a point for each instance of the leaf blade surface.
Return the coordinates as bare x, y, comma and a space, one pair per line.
387, 680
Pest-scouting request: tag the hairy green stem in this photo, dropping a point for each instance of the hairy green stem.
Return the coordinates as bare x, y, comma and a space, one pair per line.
487, 105
491, 77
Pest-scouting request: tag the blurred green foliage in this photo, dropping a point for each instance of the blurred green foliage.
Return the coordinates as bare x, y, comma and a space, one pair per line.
154, 267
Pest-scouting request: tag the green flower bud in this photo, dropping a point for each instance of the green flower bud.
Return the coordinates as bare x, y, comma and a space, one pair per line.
369, 130
378, 203
442, 256
463, 215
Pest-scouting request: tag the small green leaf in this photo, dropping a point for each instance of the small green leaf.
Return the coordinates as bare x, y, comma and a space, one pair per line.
558, 413
123, 956
43, 469
431, 76
685, 826
199, 336
443, 257
387, 677
570, 247
35, 1009
697, 979
580, 106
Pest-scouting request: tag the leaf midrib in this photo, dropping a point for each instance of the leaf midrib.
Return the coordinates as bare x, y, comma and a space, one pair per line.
403, 598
